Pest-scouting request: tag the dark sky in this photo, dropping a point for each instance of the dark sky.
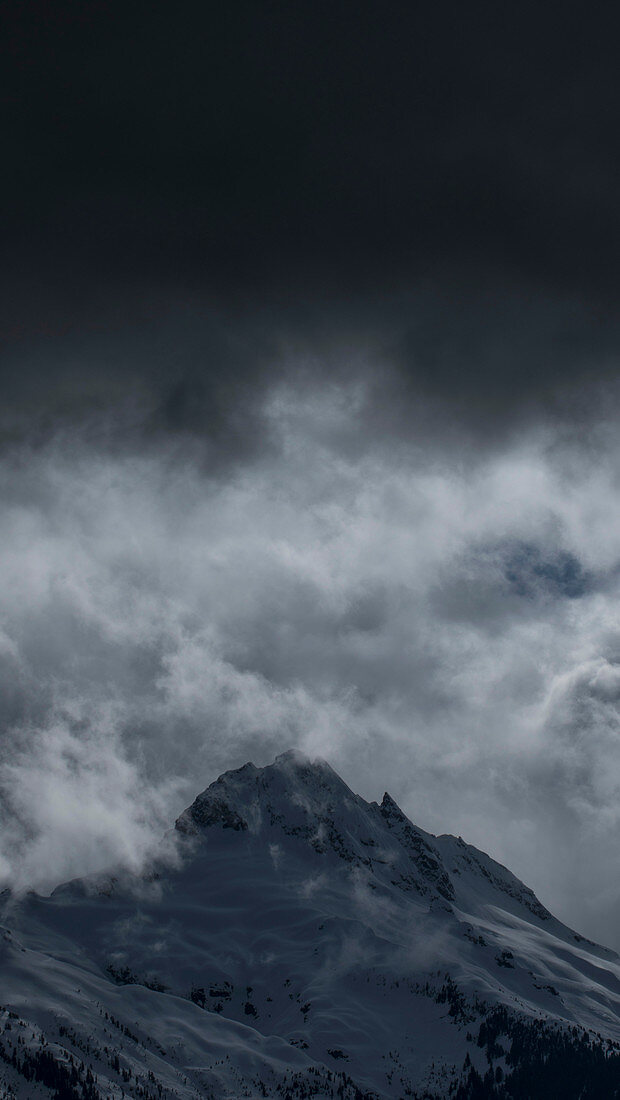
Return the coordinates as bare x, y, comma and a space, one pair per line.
318, 170
277, 146
309, 421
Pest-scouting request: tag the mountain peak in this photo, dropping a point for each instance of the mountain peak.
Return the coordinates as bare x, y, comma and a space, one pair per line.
303, 804
390, 806
302, 927
241, 798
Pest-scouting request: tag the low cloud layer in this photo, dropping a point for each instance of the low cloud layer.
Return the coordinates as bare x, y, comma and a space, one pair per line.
447, 630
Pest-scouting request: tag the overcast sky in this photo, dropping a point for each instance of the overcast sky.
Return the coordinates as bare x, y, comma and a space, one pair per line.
309, 422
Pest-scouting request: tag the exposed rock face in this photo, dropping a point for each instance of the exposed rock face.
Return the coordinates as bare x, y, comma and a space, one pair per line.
206, 811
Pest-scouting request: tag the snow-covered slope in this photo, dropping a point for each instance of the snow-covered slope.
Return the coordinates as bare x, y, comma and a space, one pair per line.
303, 942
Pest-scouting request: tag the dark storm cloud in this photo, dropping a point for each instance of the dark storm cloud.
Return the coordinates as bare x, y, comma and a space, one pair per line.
435, 367
130, 374
435, 180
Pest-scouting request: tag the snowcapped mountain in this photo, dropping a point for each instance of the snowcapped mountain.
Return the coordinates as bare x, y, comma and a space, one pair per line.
293, 940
